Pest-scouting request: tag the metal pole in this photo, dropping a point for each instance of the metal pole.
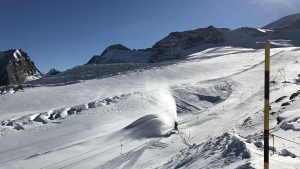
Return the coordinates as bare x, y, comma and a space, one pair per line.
267, 105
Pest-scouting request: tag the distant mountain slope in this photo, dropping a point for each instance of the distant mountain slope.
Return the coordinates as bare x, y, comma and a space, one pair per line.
120, 54
179, 45
171, 47
289, 21
16, 67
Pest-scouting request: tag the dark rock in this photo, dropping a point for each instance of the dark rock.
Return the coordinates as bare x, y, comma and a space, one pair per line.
273, 149
286, 153
286, 104
280, 99
279, 119
170, 47
294, 95
245, 166
15, 67
258, 144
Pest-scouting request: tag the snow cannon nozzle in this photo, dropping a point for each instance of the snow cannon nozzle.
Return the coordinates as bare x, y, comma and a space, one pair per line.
175, 125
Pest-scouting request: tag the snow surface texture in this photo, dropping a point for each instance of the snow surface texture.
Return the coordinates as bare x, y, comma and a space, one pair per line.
125, 120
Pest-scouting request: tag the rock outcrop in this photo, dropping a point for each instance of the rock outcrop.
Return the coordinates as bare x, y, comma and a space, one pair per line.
171, 47
16, 67
179, 45
120, 54
53, 71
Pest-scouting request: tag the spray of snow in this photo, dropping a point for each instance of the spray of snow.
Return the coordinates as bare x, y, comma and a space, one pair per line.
167, 105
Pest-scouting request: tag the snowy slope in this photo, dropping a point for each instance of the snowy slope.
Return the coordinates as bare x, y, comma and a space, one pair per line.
126, 120
283, 22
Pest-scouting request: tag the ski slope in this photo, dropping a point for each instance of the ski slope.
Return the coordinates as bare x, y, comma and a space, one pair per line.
126, 120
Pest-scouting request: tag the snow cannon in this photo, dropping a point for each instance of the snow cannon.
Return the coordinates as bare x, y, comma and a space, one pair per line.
175, 125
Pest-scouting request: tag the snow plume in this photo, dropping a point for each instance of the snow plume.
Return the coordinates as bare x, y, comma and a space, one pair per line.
166, 104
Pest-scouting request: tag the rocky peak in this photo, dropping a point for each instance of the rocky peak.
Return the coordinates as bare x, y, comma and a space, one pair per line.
114, 47
16, 67
53, 71
171, 47
99, 58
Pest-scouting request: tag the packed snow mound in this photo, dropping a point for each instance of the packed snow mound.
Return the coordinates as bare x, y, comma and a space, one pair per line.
218, 152
148, 126
54, 116
284, 22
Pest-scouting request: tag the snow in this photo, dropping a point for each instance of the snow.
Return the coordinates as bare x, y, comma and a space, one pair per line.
126, 120
17, 54
265, 30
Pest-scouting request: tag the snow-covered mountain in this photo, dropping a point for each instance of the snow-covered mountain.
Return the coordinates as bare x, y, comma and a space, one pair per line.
120, 54
16, 67
122, 115
53, 71
178, 45
287, 22
172, 46
126, 120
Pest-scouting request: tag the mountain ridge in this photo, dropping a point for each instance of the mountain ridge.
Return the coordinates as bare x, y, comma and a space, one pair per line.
16, 67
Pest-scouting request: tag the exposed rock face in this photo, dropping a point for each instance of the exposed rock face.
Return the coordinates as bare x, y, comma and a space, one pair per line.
16, 67
179, 45
171, 46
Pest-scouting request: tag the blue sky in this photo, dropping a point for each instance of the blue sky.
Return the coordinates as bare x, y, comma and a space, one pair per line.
67, 33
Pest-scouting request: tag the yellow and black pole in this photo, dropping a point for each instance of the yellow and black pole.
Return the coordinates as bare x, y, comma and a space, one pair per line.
267, 105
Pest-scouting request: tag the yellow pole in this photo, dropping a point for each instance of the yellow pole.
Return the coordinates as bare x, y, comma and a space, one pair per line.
267, 105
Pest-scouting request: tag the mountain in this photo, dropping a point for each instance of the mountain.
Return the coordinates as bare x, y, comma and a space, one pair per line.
126, 120
16, 67
53, 71
120, 54
179, 45
287, 22
122, 115
171, 47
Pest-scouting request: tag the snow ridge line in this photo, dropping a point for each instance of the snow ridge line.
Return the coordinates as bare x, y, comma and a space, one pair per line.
46, 117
